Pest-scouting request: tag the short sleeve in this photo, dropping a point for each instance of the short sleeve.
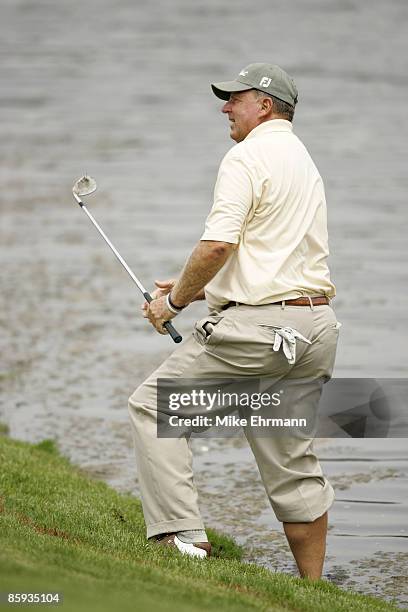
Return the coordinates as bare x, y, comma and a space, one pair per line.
232, 201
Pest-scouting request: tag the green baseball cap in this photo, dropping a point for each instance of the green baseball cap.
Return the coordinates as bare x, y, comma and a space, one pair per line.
269, 78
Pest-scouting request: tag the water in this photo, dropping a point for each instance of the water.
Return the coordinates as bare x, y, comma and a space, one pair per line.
122, 92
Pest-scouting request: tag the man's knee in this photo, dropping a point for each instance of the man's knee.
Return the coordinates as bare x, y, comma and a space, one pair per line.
143, 400
135, 401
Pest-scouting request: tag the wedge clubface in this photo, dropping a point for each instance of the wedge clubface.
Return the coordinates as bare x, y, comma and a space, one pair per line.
85, 186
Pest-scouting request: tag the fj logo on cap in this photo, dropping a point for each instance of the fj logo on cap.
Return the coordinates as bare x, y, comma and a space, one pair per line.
265, 82
243, 73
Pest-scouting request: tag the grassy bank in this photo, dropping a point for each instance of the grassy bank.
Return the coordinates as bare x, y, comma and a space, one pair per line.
62, 531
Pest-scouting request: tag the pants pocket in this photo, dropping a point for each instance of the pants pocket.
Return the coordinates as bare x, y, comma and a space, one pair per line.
205, 330
245, 346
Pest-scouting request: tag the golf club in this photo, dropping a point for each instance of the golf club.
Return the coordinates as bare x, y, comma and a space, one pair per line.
85, 186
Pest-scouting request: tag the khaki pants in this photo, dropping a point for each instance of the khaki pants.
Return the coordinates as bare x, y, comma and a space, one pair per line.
240, 344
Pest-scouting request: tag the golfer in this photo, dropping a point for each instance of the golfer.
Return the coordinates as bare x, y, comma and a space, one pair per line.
261, 265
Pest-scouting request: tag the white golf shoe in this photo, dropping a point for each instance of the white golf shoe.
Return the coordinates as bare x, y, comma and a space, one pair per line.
197, 549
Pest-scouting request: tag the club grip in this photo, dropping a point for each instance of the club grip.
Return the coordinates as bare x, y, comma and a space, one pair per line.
172, 332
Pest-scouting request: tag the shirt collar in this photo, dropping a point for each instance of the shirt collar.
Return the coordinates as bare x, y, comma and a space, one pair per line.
273, 125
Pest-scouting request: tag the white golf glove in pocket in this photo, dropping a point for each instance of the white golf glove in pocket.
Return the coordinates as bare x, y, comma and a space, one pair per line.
286, 337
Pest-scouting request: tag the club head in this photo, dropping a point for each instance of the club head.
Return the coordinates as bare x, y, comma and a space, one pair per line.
83, 187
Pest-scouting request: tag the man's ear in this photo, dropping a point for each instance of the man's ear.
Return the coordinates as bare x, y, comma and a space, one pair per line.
266, 105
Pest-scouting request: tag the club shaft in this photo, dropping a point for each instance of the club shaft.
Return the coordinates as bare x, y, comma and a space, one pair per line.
117, 254
167, 325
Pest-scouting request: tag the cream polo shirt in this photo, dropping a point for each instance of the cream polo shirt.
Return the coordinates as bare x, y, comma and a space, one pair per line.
269, 200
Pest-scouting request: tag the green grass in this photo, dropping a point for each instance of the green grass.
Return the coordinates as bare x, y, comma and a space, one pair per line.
62, 531
4, 430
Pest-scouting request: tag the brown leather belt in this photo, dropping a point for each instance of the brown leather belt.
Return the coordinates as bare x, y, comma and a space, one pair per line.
301, 301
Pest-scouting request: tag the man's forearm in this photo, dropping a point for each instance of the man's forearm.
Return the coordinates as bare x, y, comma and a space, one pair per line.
205, 261
199, 296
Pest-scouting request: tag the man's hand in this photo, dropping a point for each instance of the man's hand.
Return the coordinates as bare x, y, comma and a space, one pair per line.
163, 288
158, 313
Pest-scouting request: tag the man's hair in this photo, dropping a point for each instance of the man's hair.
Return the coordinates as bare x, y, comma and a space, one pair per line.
285, 110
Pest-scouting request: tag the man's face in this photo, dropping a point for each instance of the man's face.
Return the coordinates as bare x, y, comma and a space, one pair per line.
243, 112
